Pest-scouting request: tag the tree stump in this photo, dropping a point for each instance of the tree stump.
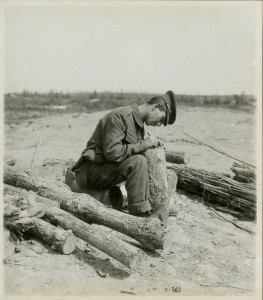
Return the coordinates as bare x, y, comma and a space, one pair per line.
158, 183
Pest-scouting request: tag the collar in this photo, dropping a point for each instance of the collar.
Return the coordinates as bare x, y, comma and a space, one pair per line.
137, 115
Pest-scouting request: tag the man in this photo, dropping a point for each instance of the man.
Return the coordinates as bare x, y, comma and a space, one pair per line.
114, 153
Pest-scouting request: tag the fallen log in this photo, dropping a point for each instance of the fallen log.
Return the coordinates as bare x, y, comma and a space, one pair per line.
19, 198
95, 235
244, 179
59, 239
244, 173
177, 157
158, 184
148, 231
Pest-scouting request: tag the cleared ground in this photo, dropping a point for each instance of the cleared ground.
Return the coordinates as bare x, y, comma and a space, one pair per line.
203, 255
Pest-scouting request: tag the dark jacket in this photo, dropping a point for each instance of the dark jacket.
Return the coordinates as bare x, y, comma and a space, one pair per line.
118, 135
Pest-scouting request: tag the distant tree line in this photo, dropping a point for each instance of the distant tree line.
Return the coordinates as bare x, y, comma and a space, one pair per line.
55, 102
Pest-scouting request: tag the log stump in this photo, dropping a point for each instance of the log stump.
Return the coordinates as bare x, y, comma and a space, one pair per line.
158, 184
177, 157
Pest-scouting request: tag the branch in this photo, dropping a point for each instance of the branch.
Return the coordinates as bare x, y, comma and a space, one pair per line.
219, 151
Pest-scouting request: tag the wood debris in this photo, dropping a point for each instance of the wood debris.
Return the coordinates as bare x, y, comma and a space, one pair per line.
218, 189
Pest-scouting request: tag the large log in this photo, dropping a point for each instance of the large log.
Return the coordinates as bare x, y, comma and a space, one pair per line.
158, 184
59, 239
95, 235
148, 231
177, 157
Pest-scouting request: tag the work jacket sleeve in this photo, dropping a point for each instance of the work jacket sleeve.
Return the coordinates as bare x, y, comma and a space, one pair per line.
118, 142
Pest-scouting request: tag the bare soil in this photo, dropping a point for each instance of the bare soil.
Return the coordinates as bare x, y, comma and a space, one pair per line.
203, 253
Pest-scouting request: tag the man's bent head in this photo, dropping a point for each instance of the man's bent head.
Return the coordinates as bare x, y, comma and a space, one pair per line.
162, 110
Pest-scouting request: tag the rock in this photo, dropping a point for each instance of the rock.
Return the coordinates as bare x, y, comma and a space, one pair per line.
11, 162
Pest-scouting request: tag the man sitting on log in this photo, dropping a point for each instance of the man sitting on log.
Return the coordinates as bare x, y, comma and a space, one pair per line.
114, 153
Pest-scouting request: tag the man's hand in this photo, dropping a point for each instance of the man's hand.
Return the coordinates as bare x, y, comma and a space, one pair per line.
152, 142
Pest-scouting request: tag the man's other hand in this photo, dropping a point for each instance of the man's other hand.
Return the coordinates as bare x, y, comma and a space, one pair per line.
152, 142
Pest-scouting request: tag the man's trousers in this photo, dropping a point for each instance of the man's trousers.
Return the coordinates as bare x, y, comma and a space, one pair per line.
133, 171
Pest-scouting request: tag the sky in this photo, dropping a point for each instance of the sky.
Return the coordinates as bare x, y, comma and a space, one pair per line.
191, 48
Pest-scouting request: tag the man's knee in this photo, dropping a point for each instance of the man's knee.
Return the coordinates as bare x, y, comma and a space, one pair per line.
139, 161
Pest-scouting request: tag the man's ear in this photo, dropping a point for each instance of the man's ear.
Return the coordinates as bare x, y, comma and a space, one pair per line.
155, 106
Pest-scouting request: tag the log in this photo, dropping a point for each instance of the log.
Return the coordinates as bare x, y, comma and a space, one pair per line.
59, 239
18, 197
148, 231
95, 235
20, 204
244, 172
244, 179
158, 184
177, 157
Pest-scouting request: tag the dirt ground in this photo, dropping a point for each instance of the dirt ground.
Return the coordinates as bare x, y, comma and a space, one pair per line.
203, 254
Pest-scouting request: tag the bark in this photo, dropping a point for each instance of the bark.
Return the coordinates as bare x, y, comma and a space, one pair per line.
19, 198
149, 232
177, 157
59, 239
95, 235
158, 183
244, 179
244, 171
